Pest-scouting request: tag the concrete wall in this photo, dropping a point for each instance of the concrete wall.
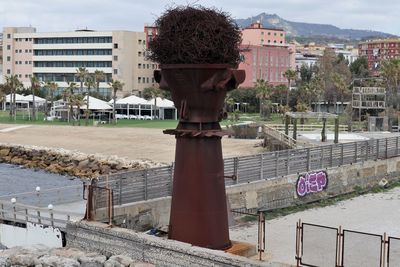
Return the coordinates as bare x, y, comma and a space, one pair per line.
269, 194
108, 241
33, 234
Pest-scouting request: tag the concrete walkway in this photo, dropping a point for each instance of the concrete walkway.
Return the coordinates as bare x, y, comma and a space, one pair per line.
11, 129
372, 213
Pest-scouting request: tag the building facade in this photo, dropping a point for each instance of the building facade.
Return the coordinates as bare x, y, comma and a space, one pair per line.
256, 34
56, 56
267, 62
377, 51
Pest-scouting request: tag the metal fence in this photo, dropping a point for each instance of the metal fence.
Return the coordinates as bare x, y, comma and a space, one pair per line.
153, 183
322, 246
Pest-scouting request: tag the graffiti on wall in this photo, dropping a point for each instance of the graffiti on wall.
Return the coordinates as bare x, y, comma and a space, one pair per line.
311, 182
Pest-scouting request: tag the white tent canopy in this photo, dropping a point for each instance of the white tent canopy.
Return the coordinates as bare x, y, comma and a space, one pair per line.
38, 99
161, 103
18, 98
131, 100
96, 104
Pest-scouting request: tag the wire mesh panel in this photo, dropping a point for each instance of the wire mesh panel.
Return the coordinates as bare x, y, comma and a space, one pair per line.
393, 256
319, 245
361, 249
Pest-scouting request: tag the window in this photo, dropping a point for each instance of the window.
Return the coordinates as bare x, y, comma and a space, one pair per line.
19, 75
30, 62
16, 51
281, 34
139, 41
139, 66
16, 62
269, 33
115, 71
20, 51
20, 62
26, 39
26, 62
262, 33
30, 39
115, 46
147, 79
274, 33
8, 36
26, 50
115, 58
139, 54
139, 79
8, 71
26, 75
8, 47
8, 58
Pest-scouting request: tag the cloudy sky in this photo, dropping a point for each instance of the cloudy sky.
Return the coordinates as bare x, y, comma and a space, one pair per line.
65, 15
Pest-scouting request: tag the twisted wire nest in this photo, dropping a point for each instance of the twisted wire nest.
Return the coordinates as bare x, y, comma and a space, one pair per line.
195, 35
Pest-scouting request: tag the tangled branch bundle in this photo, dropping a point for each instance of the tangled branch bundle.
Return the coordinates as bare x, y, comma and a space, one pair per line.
196, 35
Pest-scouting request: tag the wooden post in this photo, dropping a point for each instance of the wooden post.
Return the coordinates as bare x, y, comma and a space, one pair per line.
323, 132
336, 130
51, 218
287, 120
38, 217
295, 129
26, 215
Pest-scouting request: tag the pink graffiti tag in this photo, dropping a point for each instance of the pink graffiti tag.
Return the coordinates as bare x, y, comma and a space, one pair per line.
312, 182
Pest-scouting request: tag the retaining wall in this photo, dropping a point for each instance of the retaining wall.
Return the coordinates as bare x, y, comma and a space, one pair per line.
97, 237
267, 194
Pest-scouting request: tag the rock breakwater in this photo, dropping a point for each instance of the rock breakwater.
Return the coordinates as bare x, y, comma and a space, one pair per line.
74, 163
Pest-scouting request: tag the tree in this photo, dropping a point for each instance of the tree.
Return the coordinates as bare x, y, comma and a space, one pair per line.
341, 85
290, 75
35, 85
52, 87
306, 73
279, 93
68, 97
115, 86
89, 83
78, 101
13, 84
99, 76
359, 68
82, 74
152, 93
264, 91
390, 70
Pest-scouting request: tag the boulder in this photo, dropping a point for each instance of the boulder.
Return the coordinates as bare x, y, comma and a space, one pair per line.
55, 261
92, 260
123, 260
4, 152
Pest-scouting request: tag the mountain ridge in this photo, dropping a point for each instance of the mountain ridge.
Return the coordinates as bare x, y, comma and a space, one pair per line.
304, 29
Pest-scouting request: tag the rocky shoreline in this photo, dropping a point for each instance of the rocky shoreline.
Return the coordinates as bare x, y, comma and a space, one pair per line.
42, 256
73, 163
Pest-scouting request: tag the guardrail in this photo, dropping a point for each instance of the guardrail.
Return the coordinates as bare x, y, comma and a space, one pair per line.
157, 182
280, 136
20, 213
307, 127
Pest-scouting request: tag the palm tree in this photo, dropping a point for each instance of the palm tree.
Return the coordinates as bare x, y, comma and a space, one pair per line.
78, 101
263, 90
99, 76
52, 86
35, 85
390, 70
115, 86
13, 84
82, 74
152, 93
340, 83
290, 75
90, 83
68, 94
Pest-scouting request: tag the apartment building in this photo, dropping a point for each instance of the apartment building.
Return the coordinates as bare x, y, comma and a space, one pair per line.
267, 62
378, 50
56, 56
256, 34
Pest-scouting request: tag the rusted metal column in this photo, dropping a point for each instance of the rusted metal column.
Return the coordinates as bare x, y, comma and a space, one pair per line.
198, 211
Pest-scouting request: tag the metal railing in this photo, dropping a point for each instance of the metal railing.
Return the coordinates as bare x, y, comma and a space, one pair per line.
307, 127
319, 245
280, 136
20, 213
154, 183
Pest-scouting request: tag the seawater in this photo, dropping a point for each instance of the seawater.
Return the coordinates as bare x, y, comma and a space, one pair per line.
16, 179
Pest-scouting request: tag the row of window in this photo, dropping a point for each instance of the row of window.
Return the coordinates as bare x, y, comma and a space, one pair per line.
65, 77
73, 52
269, 41
22, 39
270, 61
146, 80
73, 64
272, 77
73, 40
21, 62
269, 33
20, 51
147, 66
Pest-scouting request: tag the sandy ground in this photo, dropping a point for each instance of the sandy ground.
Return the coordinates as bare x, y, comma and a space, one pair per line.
372, 213
133, 143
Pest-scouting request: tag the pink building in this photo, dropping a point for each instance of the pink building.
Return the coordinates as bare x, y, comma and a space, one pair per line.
268, 62
257, 35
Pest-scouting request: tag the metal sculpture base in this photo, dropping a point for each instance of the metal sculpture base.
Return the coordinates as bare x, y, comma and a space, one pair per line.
198, 210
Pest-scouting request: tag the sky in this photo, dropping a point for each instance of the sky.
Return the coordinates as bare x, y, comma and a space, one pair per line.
69, 15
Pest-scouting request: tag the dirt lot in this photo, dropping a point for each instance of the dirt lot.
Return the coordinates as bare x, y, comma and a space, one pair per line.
133, 143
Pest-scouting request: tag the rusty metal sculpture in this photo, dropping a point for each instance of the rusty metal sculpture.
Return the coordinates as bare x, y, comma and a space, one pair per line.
199, 210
